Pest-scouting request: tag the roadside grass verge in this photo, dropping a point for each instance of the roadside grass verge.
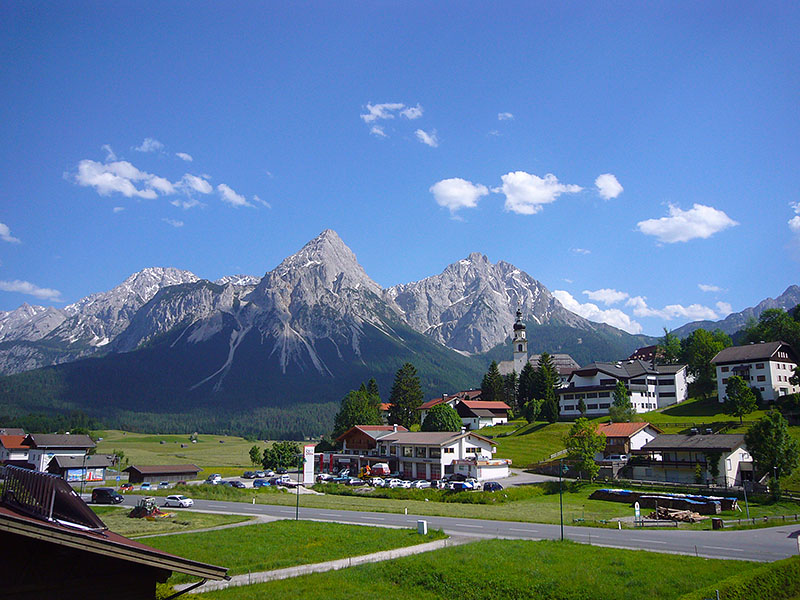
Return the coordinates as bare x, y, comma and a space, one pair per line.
506, 569
284, 543
117, 520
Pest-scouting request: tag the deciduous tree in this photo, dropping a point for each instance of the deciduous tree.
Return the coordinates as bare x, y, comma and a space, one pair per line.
255, 455
621, 410
774, 451
583, 442
281, 454
358, 408
697, 350
442, 417
739, 398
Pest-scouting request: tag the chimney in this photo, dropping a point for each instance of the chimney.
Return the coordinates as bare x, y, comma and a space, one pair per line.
394, 428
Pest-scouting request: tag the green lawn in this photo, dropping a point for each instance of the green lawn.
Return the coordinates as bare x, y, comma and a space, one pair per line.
506, 569
532, 443
286, 543
116, 519
695, 411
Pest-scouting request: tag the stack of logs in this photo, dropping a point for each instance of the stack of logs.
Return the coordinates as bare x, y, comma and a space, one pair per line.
662, 513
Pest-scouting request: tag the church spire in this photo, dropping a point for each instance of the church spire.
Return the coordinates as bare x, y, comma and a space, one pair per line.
520, 343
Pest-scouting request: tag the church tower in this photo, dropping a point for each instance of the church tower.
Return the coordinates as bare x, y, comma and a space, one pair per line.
520, 344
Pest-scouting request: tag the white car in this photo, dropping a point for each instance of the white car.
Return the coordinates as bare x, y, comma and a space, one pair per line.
178, 500
405, 484
421, 484
392, 483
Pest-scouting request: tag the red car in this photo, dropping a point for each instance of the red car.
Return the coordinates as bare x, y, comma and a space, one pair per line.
126, 487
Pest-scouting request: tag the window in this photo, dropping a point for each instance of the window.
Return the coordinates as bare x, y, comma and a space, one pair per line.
724, 369
420, 452
638, 381
591, 395
435, 452
591, 407
761, 378
759, 365
608, 382
569, 396
606, 405
724, 380
665, 382
728, 464
604, 394
667, 394
449, 450
408, 451
519, 347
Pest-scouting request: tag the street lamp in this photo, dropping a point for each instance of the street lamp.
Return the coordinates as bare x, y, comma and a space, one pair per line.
560, 495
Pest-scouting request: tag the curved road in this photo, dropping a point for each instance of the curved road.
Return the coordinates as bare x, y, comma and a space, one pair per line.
767, 544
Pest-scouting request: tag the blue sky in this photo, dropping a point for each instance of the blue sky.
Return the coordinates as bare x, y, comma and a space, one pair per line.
639, 159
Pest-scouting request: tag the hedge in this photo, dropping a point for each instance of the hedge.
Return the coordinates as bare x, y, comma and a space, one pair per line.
777, 581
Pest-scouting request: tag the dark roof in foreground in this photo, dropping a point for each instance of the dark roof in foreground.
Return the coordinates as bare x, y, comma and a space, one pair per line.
58, 440
77, 462
719, 441
763, 351
165, 469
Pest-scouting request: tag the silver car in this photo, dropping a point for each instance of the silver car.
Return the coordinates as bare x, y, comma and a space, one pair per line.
178, 500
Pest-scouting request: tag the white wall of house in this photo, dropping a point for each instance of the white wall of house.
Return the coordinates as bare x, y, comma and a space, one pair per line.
12, 454
731, 465
41, 457
771, 377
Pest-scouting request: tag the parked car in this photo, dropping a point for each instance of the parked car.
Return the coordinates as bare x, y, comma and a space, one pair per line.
324, 477
460, 486
380, 469
145, 485
618, 457
249, 475
225, 483
280, 479
126, 487
376, 481
474, 483
281, 471
393, 483
405, 483
237, 484
355, 481
257, 483
181, 482
214, 478
163, 485
268, 473
421, 484
492, 486
261, 474
178, 500
106, 496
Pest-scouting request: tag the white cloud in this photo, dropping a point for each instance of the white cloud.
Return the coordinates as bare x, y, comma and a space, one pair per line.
260, 201
231, 197
428, 139
580, 251
693, 312
118, 209
184, 156
25, 287
150, 145
607, 186
377, 130
709, 288
114, 177
109, 152
611, 316
794, 224
724, 309
195, 183
381, 111
173, 222
684, 225
412, 112
526, 193
456, 193
5, 235
504, 116
186, 204
606, 296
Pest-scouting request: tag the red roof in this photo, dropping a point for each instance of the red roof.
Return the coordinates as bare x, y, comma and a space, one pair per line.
464, 395
13, 442
486, 404
623, 429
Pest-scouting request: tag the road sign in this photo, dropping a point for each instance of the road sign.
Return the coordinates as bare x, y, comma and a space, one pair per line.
636, 510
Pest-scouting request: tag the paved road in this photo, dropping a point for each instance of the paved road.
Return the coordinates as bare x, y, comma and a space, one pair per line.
766, 544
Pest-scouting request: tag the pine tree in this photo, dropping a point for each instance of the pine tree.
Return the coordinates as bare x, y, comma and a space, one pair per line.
372, 389
526, 384
405, 397
621, 410
357, 408
544, 387
492, 384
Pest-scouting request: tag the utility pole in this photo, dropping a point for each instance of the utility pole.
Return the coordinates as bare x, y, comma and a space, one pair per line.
560, 495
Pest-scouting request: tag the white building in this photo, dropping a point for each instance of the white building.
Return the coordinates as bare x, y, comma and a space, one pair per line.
767, 366
418, 455
650, 387
44, 447
674, 458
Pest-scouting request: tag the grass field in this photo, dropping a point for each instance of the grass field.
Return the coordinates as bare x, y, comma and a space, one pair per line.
116, 519
506, 569
529, 443
282, 544
226, 455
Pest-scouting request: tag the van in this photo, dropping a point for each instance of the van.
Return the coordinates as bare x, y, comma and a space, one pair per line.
106, 496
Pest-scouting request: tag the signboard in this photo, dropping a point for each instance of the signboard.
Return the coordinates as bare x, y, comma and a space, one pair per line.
308, 464
636, 511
